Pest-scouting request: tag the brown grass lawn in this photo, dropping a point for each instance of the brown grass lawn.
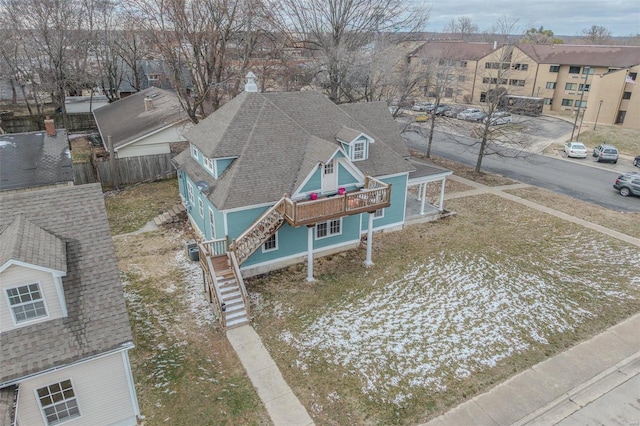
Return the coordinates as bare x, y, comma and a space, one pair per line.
626, 140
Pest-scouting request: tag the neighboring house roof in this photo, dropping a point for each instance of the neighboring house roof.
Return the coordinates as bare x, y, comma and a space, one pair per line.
97, 320
453, 50
7, 405
25, 242
127, 120
275, 137
34, 159
604, 56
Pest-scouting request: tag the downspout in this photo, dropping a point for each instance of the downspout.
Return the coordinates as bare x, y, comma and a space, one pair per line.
535, 80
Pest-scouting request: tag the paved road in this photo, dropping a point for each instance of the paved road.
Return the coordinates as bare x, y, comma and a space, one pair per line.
569, 177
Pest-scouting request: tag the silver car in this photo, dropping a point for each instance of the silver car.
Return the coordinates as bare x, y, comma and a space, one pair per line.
606, 153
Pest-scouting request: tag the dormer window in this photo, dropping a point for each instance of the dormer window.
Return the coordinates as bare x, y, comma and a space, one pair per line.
26, 303
359, 151
208, 164
194, 151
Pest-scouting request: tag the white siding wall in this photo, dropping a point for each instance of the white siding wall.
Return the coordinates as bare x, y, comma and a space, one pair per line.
18, 275
157, 143
100, 387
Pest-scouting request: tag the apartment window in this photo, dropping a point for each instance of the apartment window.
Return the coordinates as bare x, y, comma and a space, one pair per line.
632, 76
483, 96
463, 64
152, 77
271, 244
570, 86
521, 67
548, 101
581, 104
327, 229
26, 302
358, 151
574, 70
496, 65
567, 102
200, 207
190, 193
551, 85
626, 95
588, 70
194, 151
554, 68
488, 80
611, 69
514, 82
461, 78
584, 87
58, 402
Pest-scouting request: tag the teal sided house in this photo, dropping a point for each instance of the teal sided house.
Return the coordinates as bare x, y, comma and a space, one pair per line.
272, 179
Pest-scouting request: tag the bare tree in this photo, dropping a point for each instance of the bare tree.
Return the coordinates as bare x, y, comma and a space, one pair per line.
597, 34
462, 26
338, 31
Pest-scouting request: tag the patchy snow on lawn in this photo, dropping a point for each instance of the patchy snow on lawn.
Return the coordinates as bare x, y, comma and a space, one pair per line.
454, 315
192, 281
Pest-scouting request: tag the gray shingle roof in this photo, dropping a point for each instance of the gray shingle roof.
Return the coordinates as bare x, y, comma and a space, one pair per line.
34, 159
126, 120
97, 318
273, 136
26, 242
566, 54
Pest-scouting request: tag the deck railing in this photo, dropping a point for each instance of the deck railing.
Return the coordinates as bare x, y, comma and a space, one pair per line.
209, 276
373, 196
216, 247
243, 290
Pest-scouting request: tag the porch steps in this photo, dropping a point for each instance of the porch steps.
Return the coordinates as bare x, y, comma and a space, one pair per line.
175, 214
235, 311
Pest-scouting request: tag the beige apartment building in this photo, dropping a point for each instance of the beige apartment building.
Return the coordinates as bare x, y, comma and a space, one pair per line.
565, 76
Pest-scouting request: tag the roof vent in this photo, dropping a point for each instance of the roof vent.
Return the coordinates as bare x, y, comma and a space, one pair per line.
148, 103
251, 83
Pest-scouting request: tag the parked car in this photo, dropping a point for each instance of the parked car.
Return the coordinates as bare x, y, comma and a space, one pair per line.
499, 117
464, 114
453, 112
442, 109
575, 149
423, 106
636, 161
628, 184
606, 153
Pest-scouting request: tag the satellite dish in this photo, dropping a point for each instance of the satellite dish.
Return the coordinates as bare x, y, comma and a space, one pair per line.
202, 185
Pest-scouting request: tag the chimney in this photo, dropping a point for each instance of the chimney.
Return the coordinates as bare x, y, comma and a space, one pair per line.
495, 44
251, 83
49, 126
148, 103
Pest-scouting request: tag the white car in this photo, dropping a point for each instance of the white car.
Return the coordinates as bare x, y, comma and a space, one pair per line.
464, 115
499, 117
575, 150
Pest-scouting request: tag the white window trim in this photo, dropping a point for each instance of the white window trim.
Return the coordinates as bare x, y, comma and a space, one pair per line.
195, 152
331, 167
329, 233
364, 150
212, 223
201, 207
264, 250
208, 164
75, 396
377, 215
32, 320
190, 195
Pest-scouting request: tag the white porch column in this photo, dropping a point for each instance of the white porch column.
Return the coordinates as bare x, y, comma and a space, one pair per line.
367, 261
310, 254
423, 196
420, 191
441, 205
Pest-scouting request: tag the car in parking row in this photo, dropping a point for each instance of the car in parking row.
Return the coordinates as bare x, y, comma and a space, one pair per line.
575, 150
606, 153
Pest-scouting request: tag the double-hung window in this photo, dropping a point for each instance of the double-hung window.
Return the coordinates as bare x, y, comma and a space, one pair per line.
327, 229
26, 302
194, 151
190, 193
58, 402
359, 149
200, 207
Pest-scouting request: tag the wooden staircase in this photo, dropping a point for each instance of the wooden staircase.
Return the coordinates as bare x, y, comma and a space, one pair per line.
220, 263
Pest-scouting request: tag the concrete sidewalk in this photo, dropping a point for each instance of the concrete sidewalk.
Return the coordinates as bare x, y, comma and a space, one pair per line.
556, 388
283, 406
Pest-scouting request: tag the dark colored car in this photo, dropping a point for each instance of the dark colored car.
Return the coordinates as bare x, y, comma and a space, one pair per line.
442, 109
628, 184
636, 161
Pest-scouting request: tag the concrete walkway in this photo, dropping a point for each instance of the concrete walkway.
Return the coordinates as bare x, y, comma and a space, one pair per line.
283, 406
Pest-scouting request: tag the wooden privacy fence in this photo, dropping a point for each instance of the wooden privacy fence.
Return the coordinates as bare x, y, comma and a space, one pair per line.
131, 169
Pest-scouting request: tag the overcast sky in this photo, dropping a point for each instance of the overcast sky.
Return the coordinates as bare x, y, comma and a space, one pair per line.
563, 17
